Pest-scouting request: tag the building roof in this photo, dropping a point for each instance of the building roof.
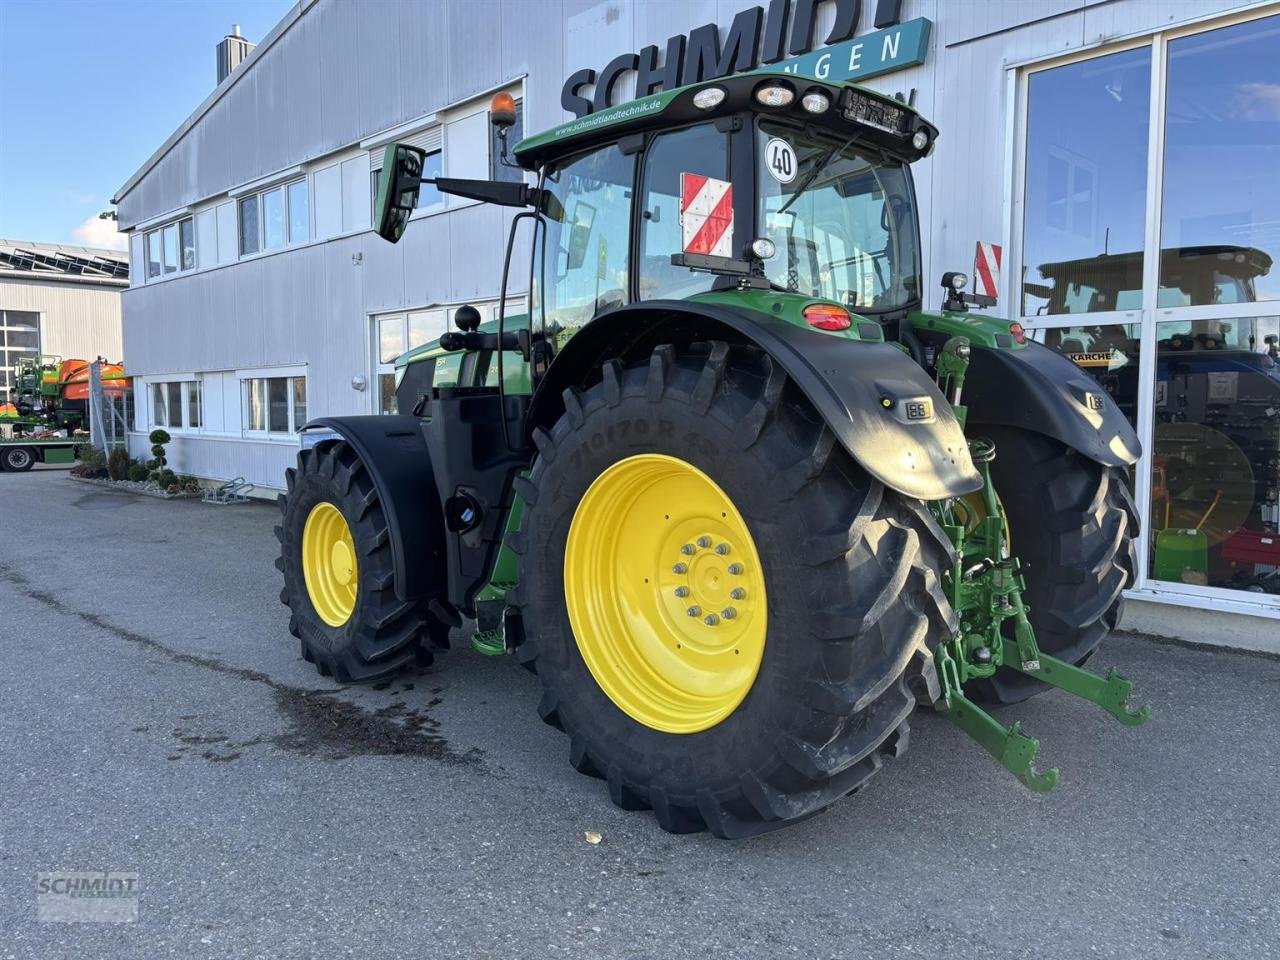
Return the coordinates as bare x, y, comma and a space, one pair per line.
21, 259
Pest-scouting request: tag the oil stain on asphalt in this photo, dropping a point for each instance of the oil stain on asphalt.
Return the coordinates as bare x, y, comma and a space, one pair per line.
319, 723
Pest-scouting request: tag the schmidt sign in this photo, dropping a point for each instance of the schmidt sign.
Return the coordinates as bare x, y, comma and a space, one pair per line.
782, 38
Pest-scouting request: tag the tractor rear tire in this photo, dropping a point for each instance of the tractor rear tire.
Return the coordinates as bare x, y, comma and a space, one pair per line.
381, 634
1072, 523
854, 603
17, 459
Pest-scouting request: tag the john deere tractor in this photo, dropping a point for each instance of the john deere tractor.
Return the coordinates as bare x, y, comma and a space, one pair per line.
734, 497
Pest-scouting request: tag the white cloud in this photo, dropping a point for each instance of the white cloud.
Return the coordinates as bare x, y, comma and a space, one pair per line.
100, 233
1258, 101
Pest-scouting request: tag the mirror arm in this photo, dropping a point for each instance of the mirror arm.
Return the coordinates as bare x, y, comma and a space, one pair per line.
503, 193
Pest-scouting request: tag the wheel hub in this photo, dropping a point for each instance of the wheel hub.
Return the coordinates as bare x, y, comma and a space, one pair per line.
329, 564
665, 593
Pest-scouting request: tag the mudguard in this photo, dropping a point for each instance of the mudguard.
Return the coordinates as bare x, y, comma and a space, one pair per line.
881, 406
394, 452
1040, 390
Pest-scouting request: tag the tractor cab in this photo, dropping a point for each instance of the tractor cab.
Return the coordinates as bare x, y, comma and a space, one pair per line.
761, 186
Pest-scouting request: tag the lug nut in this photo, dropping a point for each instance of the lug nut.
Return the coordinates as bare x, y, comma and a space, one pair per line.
688, 549
704, 542
679, 568
722, 548
735, 568
711, 620
737, 593
694, 611
682, 591
728, 613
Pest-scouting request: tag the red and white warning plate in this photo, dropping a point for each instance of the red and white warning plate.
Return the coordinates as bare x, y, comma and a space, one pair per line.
706, 215
986, 269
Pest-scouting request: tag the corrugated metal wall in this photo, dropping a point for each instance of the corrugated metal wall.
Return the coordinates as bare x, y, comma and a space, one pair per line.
342, 72
79, 320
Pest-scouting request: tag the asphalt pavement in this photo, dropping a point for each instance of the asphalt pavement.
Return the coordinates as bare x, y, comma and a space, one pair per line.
155, 717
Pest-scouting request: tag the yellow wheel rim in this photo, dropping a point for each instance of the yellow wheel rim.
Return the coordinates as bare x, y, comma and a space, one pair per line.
329, 564
665, 593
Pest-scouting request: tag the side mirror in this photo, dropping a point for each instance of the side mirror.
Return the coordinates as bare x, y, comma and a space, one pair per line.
398, 189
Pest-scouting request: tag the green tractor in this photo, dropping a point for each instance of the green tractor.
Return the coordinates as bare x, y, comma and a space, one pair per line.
729, 492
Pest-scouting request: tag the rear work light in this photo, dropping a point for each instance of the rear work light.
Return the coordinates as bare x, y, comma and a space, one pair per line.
1019, 334
827, 316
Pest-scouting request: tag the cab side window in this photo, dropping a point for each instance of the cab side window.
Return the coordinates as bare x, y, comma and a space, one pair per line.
699, 150
581, 263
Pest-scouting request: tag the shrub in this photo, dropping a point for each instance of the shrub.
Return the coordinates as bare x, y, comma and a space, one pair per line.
137, 473
158, 439
166, 479
92, 457
91, 471
118, 463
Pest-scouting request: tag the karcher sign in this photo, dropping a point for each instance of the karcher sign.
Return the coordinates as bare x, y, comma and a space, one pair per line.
757, 40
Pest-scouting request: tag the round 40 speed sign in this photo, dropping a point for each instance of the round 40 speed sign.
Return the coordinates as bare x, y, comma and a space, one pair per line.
780, 160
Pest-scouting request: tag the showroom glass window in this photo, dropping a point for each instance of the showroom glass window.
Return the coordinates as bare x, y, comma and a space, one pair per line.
1221, 201
1085, 190
1215, 482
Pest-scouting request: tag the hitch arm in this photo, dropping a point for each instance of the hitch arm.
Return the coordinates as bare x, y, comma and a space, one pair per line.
1111, 692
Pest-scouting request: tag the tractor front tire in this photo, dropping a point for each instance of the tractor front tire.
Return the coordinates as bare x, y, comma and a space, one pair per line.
731, 620
335, 554
1072, 523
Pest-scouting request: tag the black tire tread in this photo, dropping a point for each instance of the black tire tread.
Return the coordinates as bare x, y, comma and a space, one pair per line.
386, 635
881, 564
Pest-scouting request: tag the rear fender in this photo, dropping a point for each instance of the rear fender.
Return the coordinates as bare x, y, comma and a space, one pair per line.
869, 394
395, 454
1039, 390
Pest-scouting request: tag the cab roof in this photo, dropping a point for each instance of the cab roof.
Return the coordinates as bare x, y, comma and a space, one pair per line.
886, 122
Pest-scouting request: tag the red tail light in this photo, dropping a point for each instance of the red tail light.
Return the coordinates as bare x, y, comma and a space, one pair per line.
1019, 334
827, 316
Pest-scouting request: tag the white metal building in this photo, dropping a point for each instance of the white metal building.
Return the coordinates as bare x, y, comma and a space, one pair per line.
59, 300
1117, 151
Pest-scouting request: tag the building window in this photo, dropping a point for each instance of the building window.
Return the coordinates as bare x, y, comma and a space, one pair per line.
250, 242
171, 248
270, 219
298, 200
19, 337
1086, 183
153, 254
400, 332
497, 169
273, 219
194, 417
274, 405
187, 243
176, 404
1220, 205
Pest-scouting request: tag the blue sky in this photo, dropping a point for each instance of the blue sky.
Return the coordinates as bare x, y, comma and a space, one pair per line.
90, 89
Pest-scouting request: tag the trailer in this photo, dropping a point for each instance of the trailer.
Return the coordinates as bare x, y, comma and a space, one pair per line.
21, 452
